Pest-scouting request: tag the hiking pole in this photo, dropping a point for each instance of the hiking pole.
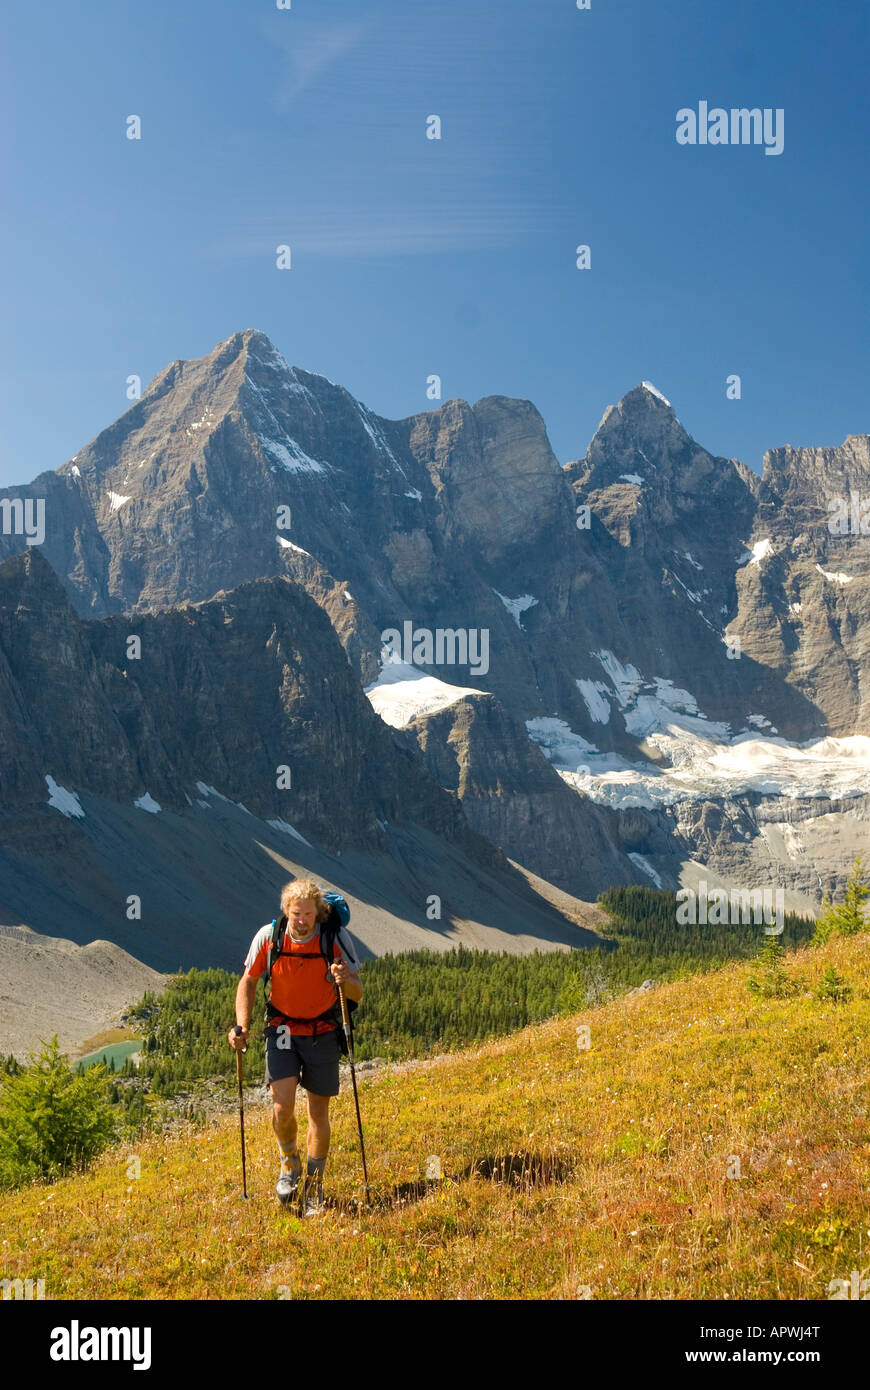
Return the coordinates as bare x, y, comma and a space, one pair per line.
238, 1053
348, 1033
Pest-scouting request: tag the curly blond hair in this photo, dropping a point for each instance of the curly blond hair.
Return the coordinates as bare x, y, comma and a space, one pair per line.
304, 888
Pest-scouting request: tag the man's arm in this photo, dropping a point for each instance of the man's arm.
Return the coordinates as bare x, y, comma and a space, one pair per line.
245, 995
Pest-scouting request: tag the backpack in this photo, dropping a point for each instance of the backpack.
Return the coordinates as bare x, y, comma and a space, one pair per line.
330, 933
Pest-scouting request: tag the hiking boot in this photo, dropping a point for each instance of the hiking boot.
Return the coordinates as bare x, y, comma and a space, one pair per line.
314, 1202
287, 1185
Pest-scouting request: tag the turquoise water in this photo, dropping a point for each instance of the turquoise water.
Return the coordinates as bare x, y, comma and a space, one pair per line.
117, 1052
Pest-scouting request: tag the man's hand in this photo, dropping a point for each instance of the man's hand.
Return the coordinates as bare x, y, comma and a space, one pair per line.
238, 1039
344, 976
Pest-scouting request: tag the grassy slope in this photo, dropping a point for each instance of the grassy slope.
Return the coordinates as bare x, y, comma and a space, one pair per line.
635, 1133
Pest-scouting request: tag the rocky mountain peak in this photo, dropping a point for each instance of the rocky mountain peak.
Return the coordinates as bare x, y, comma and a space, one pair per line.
638, 437
31, 587
652, 485
494, 472
797, 470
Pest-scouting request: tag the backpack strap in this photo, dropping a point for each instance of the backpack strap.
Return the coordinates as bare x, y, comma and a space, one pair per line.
276, 943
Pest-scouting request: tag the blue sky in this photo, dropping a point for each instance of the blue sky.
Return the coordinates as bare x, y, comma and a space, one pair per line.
455, 256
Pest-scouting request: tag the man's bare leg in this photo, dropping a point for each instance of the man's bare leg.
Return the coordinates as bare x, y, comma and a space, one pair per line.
284, 1113
318, 1126
286, 1129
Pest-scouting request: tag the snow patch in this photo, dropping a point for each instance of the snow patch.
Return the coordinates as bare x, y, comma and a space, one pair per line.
402, 693
147, 803
758, 721
205, 790
691, 594
698, 757
283, 825
835, 577
558, 742
647, 868
631, 478
595, 694
270, 357
76, 472
759, 551
654, 392
62, 800
694, 754
626, 680
290, 456
416, 494
288, 545
117, 500
516, 606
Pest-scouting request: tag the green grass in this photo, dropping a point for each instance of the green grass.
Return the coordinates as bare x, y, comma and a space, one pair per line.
604, 1169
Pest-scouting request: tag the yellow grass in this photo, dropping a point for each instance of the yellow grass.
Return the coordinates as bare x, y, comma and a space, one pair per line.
621, 1189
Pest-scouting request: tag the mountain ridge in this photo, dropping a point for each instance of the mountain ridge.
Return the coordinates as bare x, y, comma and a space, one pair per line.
611, 644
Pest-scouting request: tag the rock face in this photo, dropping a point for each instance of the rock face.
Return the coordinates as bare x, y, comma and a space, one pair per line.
511, 794
162, 774
497, 482
225, 693
645, 610
803, 608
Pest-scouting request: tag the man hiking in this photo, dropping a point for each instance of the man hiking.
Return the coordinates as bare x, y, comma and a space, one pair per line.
302, 1015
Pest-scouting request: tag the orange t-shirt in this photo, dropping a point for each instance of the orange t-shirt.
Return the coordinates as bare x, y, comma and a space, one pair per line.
301, 986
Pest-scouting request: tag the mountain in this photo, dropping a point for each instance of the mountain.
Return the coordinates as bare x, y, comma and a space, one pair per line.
681, 640
165, 797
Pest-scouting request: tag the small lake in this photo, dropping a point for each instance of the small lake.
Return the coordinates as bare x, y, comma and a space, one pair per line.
115, 1052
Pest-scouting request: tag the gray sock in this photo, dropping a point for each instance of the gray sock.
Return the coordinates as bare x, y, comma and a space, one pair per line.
316, 1166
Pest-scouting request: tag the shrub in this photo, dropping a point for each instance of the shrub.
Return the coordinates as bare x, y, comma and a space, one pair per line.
52, 1119
848, 917
833, 988
773, 983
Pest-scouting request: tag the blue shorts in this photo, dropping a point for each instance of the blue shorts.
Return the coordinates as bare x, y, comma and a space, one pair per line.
313, 1060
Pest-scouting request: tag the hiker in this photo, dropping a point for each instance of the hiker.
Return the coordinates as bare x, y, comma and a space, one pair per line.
302, 1015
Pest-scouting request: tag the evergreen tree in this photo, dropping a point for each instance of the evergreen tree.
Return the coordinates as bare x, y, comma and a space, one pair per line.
52, 1119
833, 988
849, 916
773, 983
